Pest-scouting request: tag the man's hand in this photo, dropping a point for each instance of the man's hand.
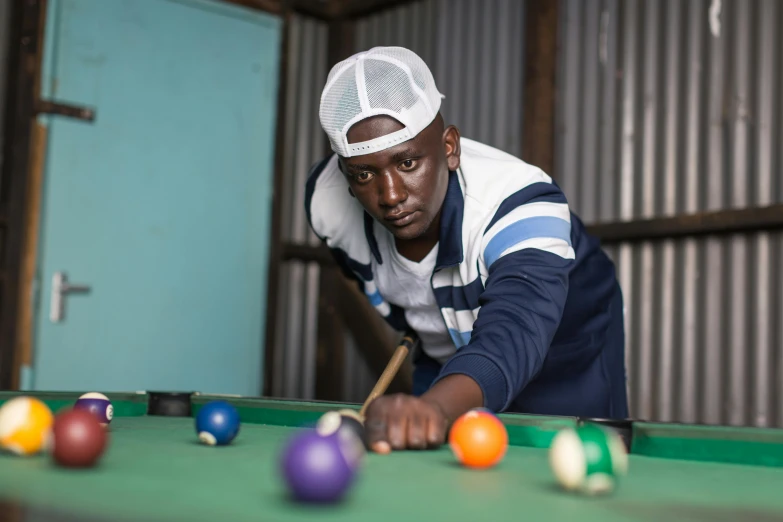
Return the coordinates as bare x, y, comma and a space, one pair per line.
404, 422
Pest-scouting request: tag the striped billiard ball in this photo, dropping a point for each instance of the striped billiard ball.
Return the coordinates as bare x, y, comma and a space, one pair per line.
588, 459
97, 404
25, 426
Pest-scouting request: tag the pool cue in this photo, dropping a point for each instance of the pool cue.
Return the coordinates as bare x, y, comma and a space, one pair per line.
406, 344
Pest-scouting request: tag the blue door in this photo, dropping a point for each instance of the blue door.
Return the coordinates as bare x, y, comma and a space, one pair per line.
156, 216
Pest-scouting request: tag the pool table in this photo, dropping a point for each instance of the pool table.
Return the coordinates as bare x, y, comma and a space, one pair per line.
155, 469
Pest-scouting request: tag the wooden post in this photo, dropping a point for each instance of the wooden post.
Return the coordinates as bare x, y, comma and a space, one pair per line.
538, 133
25, 317
23, 71
331, 340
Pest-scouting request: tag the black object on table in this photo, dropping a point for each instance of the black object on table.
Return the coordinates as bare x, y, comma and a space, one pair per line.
623, 427
170, 404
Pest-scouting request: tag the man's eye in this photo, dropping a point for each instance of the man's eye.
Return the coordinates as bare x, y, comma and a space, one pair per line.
363, 176
407, 164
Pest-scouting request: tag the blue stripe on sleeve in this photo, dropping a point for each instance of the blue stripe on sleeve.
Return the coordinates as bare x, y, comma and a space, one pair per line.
534, 193
524, 229
460, 338
375, 298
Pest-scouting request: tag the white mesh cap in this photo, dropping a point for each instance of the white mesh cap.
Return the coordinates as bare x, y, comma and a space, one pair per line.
384, 80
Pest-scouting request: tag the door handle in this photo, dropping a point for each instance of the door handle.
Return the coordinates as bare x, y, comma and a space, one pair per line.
60, 290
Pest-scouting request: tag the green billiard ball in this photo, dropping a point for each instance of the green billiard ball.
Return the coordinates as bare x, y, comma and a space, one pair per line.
588, 459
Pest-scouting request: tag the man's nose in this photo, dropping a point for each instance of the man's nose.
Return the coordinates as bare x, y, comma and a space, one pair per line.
392, 190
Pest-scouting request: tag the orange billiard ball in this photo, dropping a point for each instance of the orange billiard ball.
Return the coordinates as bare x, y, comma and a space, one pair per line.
478, 439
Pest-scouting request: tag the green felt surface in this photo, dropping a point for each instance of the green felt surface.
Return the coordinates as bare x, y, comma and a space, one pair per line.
155, 470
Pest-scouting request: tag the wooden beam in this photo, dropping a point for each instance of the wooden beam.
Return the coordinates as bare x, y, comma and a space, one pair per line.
720, 222
690, 225
312, 8
24, 64
307, 253
538, 128
270, 6
362, 8
327, 11
341, 41
374, 338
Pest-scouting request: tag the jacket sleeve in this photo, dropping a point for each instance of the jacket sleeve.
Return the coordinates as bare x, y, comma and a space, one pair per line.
526, 257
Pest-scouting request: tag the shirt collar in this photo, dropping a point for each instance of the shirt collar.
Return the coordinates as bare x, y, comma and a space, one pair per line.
450, 246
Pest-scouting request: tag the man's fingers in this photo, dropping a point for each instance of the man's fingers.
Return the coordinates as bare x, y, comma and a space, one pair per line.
436, 431
417, 431
382, 447
375, 430
398, 431
403, 422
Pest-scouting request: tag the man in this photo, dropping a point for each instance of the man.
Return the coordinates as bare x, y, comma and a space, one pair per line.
516, 307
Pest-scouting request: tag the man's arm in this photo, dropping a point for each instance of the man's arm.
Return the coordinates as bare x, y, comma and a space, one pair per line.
527, 256
521, 309
520, 312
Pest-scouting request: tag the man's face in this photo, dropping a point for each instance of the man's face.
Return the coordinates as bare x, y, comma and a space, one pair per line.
403, 187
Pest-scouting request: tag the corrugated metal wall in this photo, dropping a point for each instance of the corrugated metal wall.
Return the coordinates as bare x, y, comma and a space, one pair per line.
475, 49
670, 107
304, 144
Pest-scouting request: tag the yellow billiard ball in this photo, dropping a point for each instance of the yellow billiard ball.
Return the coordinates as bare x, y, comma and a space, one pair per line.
25, 426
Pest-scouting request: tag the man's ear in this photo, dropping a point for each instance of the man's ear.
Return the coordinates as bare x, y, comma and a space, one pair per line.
451, 146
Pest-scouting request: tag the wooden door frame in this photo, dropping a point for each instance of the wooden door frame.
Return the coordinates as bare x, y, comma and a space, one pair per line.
24, 54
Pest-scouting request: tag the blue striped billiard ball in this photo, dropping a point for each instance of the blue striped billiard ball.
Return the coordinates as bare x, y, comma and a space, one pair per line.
97, 404
217, 423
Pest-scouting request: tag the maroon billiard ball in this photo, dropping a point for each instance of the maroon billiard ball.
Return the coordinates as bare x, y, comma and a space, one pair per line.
78, 439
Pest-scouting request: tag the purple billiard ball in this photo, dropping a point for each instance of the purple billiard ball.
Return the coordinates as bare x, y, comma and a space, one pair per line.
97, 404
315, 468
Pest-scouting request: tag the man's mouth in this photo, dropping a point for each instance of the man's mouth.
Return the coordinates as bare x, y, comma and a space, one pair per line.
400, 219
